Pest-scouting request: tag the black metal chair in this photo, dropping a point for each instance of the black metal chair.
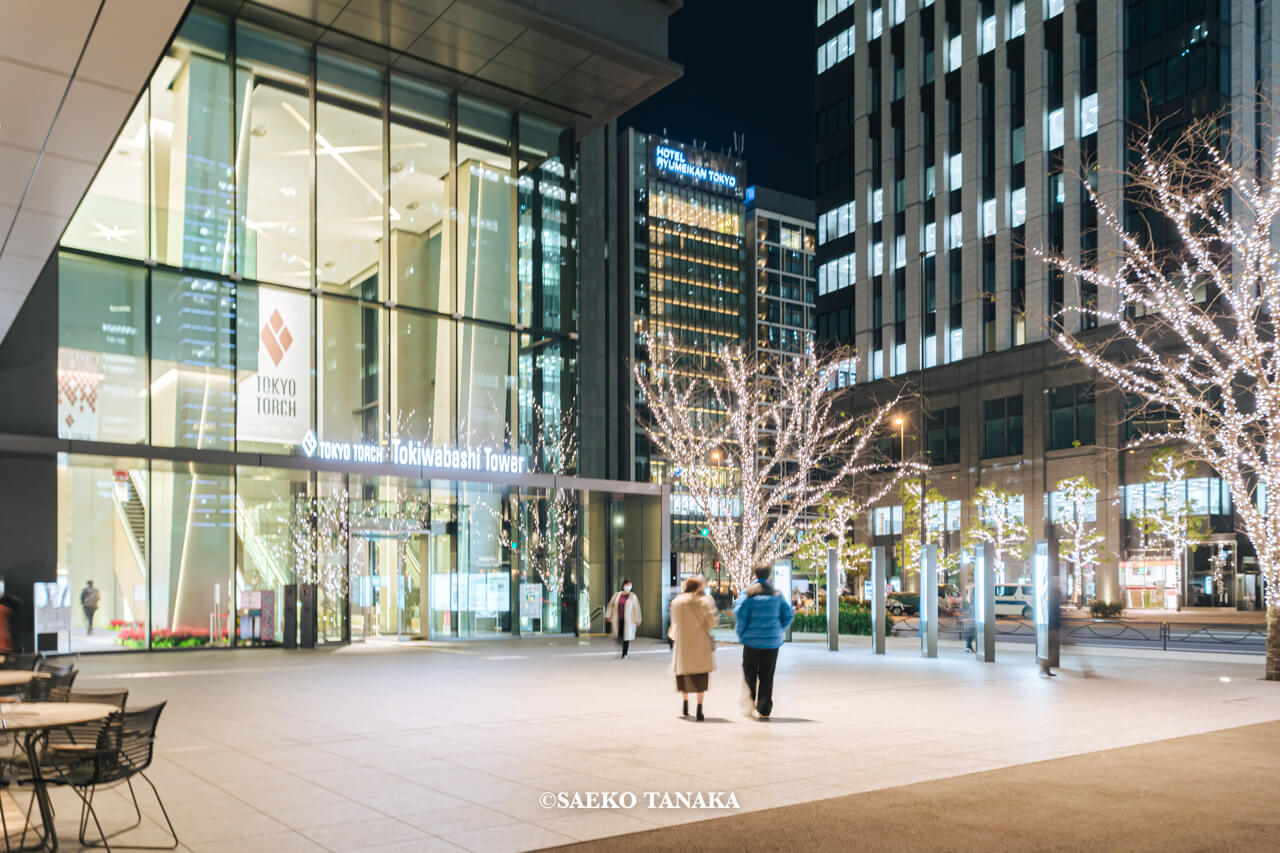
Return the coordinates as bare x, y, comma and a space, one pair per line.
41, 688
124, 747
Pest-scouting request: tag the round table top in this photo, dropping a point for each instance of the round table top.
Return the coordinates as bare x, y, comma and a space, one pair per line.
45, 715
12, 677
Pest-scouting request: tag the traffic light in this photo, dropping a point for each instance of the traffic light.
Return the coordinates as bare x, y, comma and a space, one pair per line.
706, 531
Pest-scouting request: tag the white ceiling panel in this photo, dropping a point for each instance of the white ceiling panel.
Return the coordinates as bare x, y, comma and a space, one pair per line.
112, 56
6, 218
17, 274
58, 185
32, 231
28, 102
15, 170
89, 121
27, 35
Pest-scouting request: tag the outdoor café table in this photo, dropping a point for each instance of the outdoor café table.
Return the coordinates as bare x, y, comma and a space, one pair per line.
34, 720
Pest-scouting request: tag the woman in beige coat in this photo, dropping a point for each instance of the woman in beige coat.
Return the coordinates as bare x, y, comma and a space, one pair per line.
693, 615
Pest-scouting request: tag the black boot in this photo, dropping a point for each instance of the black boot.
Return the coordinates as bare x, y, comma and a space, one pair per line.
686, 707
700, 718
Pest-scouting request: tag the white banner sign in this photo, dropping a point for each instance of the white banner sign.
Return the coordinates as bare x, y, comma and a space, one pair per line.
274, 403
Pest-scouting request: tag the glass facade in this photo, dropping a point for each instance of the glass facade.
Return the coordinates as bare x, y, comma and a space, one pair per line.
286, 252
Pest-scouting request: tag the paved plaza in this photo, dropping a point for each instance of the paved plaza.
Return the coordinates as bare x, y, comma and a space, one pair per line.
422, 747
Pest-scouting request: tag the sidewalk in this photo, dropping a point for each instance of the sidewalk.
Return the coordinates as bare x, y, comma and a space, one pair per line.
451, 746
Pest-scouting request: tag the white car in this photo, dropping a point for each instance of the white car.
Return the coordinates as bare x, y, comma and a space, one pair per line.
1015, 600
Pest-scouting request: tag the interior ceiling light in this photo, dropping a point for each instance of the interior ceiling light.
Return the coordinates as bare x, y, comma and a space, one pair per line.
397, 167
328, 265
259, 131
413, 205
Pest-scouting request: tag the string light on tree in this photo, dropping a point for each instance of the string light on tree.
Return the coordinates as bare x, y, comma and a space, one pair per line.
1082, 545
784, 444
1194, 335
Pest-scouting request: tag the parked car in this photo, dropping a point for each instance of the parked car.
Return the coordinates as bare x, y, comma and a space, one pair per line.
948, 599
902, 603
1015, 600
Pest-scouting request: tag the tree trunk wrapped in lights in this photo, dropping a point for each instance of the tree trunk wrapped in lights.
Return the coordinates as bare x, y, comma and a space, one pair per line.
1195, 318
756, 442
1083, 543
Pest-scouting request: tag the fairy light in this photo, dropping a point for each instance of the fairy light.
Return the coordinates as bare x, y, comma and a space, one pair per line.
1171, 518
1195, 330
999, 525
784, 445
1083, 543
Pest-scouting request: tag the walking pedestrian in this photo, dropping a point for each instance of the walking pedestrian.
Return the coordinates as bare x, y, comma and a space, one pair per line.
89, 598
967, 621
623, 614
763, 616
693, 615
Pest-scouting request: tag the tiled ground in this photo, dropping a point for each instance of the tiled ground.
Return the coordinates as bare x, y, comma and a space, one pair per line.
447, 747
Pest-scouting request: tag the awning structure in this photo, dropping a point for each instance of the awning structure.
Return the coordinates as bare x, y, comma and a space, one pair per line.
69, 73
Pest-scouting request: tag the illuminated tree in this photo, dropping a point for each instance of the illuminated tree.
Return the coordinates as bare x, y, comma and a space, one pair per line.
1171, 519
935, 527
832, 528
546, 528
1194, 316
1000, 523
755, 442
1083, 543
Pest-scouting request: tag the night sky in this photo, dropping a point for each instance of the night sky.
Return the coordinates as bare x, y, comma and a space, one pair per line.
748, 67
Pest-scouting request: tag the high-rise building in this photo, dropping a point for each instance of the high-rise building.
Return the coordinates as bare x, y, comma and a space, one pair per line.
950, 137
780, 239
311, 323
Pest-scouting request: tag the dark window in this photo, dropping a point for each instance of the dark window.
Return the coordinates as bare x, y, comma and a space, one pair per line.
1071, 416
1002, 427
944, 437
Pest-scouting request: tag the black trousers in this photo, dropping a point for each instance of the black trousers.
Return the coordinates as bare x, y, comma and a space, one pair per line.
757, 667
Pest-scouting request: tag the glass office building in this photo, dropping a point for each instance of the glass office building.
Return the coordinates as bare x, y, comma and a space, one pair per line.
317, 337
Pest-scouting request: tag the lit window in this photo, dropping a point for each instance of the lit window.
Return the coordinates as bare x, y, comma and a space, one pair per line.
822, 229
900, 358
953, 53
842, 51
1018, 20
989, 34
899, 251
1055, 8
931, 351
931, 238
1019, 145
899, 11
1089, 114
877, 205
822, 58
877, 23
1018, 207
877, 364
877, 259
846, 213
955, 167
1055, 129
989, 218
957, 230
930, 183
822, 280
955, 347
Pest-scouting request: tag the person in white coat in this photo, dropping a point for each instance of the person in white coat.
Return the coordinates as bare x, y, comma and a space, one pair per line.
623, 614
693, 615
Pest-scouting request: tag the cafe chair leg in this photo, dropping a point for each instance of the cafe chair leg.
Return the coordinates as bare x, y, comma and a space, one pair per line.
88, 804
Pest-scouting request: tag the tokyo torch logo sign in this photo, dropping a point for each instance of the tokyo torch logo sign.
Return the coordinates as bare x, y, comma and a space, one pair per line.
276, 338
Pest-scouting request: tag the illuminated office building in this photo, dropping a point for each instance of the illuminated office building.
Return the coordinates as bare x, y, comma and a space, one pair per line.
948, 137
780, 250
311, 329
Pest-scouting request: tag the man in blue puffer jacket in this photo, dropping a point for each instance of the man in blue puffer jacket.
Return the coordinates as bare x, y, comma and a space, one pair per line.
763, 617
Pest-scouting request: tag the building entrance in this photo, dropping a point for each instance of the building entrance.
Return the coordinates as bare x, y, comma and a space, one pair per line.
389, 588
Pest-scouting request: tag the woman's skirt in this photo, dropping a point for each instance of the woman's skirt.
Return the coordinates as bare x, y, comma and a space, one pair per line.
696, 683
